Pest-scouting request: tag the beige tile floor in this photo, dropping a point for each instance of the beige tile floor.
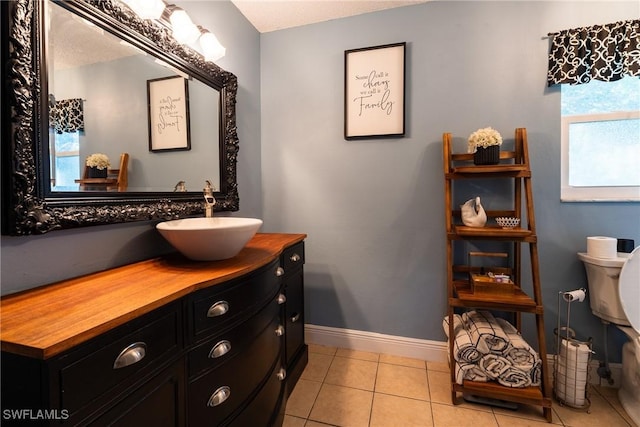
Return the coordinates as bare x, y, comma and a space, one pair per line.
348, 388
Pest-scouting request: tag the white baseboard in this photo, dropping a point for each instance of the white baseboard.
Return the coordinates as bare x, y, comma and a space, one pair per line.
432, 351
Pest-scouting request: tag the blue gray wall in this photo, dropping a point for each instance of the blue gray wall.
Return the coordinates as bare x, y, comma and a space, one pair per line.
373, 210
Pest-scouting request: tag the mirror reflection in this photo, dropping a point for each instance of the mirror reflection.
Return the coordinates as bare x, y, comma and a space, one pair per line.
156, 125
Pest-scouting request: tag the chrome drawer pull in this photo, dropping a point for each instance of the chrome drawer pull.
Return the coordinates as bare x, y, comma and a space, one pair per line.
295, 318
295, 258
218, 309
130, 355
282, 299
219, 396
282, 374
220, 349
280, 331
279, 272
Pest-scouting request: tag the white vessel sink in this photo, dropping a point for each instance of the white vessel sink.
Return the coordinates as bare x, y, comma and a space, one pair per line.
209, 239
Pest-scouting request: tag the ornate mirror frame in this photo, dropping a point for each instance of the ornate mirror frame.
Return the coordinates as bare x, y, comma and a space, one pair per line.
27, 204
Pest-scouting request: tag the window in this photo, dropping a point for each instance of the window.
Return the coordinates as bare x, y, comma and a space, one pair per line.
601, 141
65, 161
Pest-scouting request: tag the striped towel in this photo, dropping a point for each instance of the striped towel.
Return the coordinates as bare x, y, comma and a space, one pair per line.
493, 365
463, 348
514, 377
536, 373
519, 352
486, 333
470, 372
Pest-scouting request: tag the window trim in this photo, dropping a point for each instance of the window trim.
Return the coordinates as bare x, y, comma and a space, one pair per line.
569, 193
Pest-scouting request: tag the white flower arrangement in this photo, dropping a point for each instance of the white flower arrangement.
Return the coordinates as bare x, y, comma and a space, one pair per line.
484, 138
98, 160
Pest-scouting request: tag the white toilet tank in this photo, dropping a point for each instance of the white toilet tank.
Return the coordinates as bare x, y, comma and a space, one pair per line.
604, 293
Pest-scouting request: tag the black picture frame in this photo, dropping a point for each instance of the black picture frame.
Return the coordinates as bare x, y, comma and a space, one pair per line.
374, 92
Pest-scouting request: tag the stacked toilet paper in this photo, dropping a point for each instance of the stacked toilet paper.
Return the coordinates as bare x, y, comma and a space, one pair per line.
571, 375
602, 247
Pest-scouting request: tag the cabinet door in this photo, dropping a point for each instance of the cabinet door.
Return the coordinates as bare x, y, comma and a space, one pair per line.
160, 402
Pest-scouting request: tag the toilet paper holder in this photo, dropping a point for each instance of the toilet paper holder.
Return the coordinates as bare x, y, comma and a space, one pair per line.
571, 359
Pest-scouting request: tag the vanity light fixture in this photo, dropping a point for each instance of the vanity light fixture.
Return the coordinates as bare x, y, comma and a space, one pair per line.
211, 47
146, 9
182, 27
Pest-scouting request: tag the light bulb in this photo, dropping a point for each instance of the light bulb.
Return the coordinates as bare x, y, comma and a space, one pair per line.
184, 30
211, 47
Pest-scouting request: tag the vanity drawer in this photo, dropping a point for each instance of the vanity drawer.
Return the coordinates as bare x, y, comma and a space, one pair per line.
293, 258
214, 308
227, 345
267, 408
215, 396
119, 359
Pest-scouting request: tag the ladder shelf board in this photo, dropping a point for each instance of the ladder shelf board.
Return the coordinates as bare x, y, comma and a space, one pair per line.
494, 232
525, 395
490, 171
515, 299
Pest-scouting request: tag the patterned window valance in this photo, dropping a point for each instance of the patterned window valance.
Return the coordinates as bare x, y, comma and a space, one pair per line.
602, 52
66, 115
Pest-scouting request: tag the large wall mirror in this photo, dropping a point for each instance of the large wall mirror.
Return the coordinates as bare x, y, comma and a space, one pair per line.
87, 77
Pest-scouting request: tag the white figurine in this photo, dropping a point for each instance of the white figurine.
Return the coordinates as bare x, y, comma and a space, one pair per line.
473, 214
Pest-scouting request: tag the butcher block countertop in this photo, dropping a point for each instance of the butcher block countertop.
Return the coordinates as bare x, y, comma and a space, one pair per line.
48, 320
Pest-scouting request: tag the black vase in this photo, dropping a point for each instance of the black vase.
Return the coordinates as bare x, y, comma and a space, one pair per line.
94, 172
487, 156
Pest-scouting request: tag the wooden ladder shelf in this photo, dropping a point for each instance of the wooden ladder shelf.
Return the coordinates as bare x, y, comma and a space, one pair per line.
514, 165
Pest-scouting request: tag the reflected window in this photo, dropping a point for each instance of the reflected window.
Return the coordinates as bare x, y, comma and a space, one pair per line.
65, 160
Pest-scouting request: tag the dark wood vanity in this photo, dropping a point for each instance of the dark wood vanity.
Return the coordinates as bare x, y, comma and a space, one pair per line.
162, 342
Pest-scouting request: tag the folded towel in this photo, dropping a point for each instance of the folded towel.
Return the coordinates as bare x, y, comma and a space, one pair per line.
486, 333
514, 377
493, 365
469, 372
536, 373
463, 348
519, 352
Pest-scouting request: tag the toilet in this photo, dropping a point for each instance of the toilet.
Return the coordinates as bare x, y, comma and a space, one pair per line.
614, 295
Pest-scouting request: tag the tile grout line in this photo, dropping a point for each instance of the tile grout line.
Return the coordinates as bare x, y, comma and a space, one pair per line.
322, 383
430, 401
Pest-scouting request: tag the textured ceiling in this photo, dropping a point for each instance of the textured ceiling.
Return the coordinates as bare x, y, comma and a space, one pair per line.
74, 42
271, 15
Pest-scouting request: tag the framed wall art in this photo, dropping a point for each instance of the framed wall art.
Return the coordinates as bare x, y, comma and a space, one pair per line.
168, 101
374, 89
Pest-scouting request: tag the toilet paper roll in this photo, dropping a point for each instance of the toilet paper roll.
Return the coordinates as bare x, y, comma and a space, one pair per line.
571, 352
577, 295
602, 247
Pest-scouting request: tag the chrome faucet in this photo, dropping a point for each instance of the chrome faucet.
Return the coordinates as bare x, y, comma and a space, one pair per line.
209, 200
